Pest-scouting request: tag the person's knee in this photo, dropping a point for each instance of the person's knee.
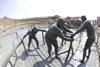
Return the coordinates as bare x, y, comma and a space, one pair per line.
49, 47
89, 49
56, 47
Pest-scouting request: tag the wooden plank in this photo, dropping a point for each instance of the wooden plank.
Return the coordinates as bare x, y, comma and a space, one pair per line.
42, 56
45, 53
32, 58
38, 58
21, 59
51, 60
31, 55
58, 62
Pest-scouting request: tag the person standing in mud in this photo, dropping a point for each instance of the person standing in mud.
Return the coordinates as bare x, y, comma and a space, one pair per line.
90, 34
54, 32
32, 35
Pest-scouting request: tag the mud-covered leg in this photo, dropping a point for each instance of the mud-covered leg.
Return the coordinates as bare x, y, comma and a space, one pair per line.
56, 49
29, 43
48, 42
37, 43
84, 54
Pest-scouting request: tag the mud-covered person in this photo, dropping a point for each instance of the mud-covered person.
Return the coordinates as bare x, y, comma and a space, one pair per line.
32, 35
90, 34
52, 34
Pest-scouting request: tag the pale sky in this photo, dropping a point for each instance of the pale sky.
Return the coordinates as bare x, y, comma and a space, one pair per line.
18, 9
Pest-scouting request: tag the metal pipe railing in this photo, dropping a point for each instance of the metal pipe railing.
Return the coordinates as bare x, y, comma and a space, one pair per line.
13, 50
71, 48
7, 34
9, 56
98, 35
43, 38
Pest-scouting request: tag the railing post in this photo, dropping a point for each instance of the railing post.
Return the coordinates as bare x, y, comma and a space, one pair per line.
43, 37
97, 39
10, 63
24, 47
70, 47
98, 48
16, 35
13, 47
23, 43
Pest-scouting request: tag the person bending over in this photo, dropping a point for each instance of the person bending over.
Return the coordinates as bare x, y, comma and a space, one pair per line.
32, 35
54, 32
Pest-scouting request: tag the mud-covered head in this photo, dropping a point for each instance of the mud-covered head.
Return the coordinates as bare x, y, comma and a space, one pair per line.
60, 22
34, 29
83, 18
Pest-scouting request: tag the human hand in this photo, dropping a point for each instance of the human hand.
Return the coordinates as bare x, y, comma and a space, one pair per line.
72, 35
45, 31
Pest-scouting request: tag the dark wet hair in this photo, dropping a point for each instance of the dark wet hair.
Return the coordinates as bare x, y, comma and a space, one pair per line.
60, 22
34, 28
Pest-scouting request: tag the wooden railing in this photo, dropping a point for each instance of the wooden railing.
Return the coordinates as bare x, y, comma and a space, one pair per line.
7, 60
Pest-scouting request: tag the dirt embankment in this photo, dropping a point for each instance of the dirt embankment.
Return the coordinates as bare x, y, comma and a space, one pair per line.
6, 24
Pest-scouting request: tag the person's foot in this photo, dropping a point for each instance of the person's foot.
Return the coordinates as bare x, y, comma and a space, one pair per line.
65, 43
81, 61
57, 57
87, 57
38, 48
72, 53
61, 44
49, 55
28, 49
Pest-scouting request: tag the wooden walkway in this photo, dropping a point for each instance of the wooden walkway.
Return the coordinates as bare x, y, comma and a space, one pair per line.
39, 57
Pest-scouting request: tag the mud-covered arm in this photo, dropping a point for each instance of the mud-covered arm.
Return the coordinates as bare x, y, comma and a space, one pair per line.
42, 30
72, 27
26, 34
59, 34
81, 28
67, 30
